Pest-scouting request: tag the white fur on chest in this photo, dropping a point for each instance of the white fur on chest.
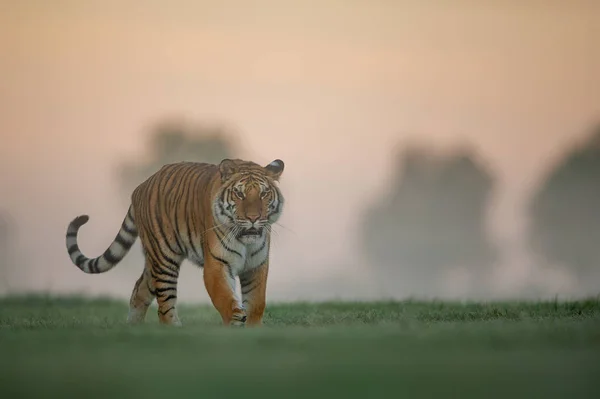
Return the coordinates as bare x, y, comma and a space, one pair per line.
253, 255
240, 258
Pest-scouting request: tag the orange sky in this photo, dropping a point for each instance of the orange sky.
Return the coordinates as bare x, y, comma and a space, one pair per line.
330, 87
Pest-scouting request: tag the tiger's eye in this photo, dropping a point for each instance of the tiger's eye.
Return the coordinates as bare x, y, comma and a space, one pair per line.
238, 193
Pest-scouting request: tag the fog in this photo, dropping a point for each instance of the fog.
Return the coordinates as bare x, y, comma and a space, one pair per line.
425, 144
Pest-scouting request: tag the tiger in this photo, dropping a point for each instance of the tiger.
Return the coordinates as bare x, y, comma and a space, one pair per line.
219, 217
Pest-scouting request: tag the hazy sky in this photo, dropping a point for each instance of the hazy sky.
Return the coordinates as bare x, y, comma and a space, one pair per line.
330, 87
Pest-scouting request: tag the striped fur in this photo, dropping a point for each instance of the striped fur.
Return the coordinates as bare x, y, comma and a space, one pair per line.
113, 254
217, 216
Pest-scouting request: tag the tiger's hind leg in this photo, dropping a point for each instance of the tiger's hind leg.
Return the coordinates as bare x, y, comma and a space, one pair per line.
164, 282
142, 296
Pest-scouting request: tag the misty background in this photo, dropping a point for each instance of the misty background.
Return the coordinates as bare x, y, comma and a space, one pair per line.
439, 149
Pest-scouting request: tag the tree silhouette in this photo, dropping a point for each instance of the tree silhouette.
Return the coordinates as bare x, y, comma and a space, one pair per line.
7, 243
171, 142
432, 220
565, 212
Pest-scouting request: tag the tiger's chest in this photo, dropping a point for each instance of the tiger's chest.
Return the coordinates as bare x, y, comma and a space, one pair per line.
239, 258
244, 258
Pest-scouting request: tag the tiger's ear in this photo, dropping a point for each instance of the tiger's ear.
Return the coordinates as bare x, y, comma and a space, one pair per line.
275, 169
227, 169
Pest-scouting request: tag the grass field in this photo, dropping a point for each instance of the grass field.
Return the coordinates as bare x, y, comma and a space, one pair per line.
73, 347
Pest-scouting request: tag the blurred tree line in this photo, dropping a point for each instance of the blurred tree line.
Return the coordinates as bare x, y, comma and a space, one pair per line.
8, 239
565, 213
432, 220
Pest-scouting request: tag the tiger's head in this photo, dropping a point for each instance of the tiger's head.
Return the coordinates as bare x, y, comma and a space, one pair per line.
248, 201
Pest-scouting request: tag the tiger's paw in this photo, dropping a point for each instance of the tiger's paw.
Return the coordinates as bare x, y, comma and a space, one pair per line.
170, 319
238, 318
135, 317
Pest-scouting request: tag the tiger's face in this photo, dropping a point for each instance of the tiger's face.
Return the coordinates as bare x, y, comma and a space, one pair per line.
249, 201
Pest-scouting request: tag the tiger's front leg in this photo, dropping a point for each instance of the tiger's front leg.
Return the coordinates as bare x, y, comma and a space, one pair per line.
254, 288
220, 285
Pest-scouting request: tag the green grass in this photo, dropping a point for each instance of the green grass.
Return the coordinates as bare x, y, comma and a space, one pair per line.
73, 347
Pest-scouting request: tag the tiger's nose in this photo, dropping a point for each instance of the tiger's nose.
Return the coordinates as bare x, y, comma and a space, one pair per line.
253, 217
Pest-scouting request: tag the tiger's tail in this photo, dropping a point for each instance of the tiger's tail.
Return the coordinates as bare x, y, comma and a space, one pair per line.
113, 254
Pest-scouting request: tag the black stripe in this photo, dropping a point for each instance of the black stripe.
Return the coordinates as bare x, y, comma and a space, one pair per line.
183, 199
165, 289
80, 259
158, 270
153, 244
220, 235
163, 237
225, 194
191, 229
223, 261
72, 249
217, 258
222, 196
248, 289
262, 262
278, 208
169, 298
167, 182
153, 247
150, 289
158, 251
259, 249
127, 229
174, 180
223, 212
72, 233
247, 284
123, 242
161, 205
110, 257
161, 280
136, 287
192, 191
166, 311
168, 261
176, 235
245, 280
93, 265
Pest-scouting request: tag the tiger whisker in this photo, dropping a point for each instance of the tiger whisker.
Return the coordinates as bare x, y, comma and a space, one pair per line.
288, 229
229, 237
214, 227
